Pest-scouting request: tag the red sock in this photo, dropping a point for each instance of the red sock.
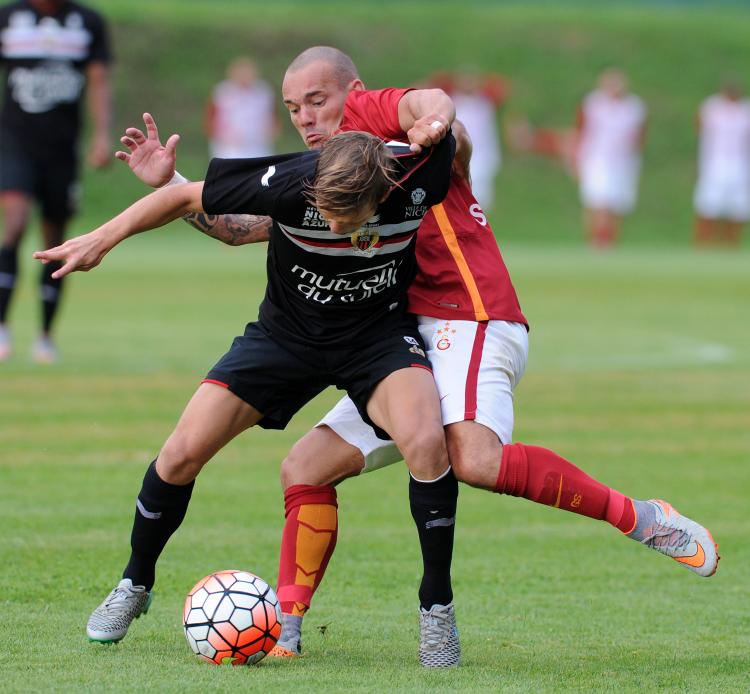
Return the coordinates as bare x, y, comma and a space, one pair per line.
543, 476
307, 544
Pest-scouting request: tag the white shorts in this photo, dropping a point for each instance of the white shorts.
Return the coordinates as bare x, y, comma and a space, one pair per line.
723, 197
476, 368
609, 185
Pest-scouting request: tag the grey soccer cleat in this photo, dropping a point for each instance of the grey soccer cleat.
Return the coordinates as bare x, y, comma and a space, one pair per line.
109, 622
438, 637
681, 538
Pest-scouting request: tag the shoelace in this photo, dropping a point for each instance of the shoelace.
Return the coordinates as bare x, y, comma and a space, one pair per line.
437, 626
668, 538
118, 599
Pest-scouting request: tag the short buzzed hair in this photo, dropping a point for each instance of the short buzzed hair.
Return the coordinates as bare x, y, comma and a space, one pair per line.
355, 172
343, 66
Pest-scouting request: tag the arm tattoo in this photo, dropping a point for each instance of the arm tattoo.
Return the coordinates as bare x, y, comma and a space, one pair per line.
232, 229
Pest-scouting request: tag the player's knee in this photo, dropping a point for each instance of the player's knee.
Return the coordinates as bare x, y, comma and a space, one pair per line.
290, 470
180, 459
425, 448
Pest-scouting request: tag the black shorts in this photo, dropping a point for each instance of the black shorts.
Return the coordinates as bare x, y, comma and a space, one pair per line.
50, 179
279, 378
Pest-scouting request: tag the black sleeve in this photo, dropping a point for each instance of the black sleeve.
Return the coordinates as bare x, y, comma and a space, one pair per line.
430, 171
255, 186
100, 49
442, 164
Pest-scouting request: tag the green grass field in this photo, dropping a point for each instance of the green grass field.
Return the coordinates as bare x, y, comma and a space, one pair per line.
639, 372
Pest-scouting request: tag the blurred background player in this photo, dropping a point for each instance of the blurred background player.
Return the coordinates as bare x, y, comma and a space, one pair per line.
240, 116
53, 50
722, 193
610, 136
477, 98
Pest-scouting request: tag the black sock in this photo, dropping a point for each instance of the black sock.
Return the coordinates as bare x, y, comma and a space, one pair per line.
433, 507
50, 289
160, 508
8, 275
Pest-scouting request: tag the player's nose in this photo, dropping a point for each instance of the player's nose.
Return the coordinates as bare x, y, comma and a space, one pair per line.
307, 115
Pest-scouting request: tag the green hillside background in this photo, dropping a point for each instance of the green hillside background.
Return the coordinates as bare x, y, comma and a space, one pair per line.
170, 53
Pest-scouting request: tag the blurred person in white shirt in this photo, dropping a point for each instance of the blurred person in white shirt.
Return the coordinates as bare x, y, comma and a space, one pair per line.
610, 130
722, 193
477, 98
241, 118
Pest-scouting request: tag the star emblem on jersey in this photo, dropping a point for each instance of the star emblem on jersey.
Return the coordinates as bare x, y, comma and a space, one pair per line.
364, 241
418, 195
443, 336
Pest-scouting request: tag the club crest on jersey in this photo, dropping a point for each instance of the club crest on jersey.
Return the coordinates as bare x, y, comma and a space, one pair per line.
418, 195
443, 337
364, 241
415, 348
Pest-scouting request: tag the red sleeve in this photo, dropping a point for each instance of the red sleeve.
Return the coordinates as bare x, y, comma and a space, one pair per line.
374, 111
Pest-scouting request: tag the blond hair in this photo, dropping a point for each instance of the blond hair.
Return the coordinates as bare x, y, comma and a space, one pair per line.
355, 172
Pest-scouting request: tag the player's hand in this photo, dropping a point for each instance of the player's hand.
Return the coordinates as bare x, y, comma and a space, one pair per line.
427, 131
99, 152
81, 253
148, 159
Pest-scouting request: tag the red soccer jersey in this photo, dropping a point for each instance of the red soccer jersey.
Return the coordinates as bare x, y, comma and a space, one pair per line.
461, 273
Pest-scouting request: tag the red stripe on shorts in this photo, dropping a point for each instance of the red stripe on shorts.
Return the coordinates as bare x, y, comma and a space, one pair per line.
470, 400
421, 366
217, 383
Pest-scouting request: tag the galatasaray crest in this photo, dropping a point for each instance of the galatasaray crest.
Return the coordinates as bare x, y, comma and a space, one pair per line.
364, 241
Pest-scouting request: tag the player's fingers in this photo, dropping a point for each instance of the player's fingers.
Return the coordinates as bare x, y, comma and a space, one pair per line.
64, 270
129, 143
151, 129
172, 143
136, 135
414, 147
48, 256
123, 156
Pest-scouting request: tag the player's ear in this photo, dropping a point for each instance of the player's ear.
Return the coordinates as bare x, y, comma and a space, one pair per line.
355, 84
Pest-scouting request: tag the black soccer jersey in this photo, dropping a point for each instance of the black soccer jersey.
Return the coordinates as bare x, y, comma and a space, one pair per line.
324, 288
45, 57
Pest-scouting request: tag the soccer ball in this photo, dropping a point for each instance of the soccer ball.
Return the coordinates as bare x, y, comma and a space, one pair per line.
232, 617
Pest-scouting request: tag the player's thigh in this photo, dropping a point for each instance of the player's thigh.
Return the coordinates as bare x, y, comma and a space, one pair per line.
476, 366
211, 419
321, 456
405, 404
347, 423
388, 377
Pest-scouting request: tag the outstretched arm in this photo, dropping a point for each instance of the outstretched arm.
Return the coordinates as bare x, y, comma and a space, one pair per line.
154, 164
160, 207
232, 229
